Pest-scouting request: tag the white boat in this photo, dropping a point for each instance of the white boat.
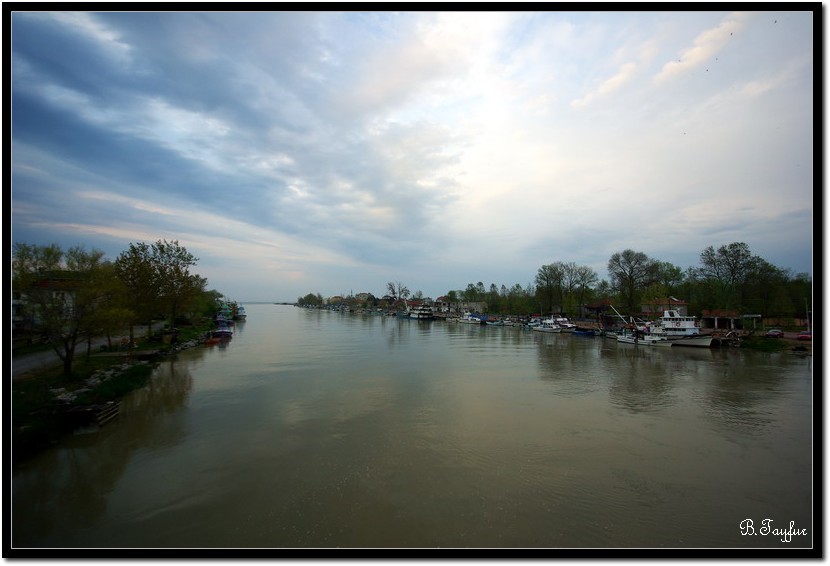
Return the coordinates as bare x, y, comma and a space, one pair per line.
469, 318
680, 330
421, 312
240, 313
548, 325
563, 323
640, 338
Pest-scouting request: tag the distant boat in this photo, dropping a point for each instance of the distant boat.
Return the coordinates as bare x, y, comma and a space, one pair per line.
421, 312
417, 312
563, 323
640, 338
585, 332
469, 318
548, 325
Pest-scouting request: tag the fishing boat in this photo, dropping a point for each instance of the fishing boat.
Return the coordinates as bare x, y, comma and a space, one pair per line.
469, 318
421, 312
641, 338
222, 330
563, 323
548, 325
681, 330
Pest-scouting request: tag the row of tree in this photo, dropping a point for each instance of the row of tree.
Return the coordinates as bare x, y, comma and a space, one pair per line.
728, 278
72, 295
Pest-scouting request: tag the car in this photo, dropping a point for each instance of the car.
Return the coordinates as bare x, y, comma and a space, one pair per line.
774, 333
804, 335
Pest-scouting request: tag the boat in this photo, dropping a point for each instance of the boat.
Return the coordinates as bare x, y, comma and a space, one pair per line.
586, 332
641, 338
680, 330
223, 319
563, 323
222, 330
421, 312
547, 325
240, 313
469, 318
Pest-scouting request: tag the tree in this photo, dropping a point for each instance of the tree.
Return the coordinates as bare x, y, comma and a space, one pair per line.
112, 315
63, 292
177, 287
452, 299
549, 281
726, 268
135, 268
630, 273
310, 300
583, 278
397, 290
668, 275
470, 294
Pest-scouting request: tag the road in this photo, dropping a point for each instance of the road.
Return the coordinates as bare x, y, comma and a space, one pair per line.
36, 361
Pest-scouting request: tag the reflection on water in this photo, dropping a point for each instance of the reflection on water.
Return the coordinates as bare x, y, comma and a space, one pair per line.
317, 429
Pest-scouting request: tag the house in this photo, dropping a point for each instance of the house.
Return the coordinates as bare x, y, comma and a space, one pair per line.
720, 319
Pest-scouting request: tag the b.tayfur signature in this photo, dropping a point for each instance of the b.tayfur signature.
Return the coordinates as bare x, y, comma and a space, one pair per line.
765, 529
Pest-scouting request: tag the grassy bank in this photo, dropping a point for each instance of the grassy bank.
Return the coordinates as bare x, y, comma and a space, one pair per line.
46, 403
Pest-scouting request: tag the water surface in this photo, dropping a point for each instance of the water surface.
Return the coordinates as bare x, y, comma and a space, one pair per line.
318, 430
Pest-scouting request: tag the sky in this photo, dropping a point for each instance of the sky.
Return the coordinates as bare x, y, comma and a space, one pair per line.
333, 152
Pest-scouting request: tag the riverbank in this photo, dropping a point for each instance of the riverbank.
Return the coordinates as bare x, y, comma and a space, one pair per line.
48, 405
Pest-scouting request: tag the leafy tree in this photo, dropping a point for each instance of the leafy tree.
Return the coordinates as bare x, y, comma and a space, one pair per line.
583, 279
668, 275
177, 286
726, 269
630, 272
765, 290
310, 300
452, 298
549, 282
471, 294
113, 315
136, 270
60, 292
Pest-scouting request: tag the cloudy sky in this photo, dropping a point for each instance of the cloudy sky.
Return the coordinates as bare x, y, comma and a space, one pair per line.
333, 152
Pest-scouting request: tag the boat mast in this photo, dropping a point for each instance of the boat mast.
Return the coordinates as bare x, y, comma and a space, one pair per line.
618, 314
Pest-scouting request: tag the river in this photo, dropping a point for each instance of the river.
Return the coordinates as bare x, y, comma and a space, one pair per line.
313, 429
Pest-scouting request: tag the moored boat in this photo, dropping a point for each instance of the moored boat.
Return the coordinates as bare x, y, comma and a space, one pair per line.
563, 323
548, 325
421, 312
640, 338
680, 330
222, 330
469, 318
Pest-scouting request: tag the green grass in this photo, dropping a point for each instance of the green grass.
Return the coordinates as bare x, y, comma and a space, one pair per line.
765, 344
38, 418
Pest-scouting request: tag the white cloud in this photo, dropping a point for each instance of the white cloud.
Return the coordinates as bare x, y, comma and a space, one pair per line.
394, 143
704, 47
